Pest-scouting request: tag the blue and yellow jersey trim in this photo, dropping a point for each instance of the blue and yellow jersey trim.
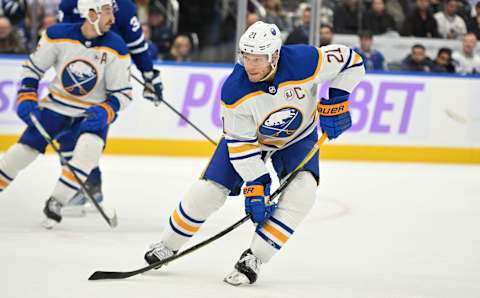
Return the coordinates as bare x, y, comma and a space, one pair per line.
310, 78
237, 89
242, 149
98, 48
70, 100
241, 100
71, 33
354, 59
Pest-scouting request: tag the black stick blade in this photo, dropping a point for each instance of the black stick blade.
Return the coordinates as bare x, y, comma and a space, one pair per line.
98, 275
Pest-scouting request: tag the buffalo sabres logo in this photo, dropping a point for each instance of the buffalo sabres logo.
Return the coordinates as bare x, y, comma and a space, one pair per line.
281, 123
79, 77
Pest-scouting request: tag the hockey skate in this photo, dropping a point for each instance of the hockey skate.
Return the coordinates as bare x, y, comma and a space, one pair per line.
52, 211
157, 252
246, 270
80, 205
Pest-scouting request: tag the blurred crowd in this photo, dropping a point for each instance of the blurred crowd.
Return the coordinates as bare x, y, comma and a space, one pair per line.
205, 30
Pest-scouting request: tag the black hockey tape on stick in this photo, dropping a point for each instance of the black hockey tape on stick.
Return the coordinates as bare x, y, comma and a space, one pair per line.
112, 221
179, 114
98, 275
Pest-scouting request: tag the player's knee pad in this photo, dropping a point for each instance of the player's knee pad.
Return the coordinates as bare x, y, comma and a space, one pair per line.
297, 199
17, 158
204, 198
87, 152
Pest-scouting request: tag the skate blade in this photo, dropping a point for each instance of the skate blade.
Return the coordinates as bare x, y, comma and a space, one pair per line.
236, 279
49, 223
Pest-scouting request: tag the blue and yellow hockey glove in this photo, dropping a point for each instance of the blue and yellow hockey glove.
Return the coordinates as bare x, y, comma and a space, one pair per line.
101, 115
256, 199
27, 103
334, 116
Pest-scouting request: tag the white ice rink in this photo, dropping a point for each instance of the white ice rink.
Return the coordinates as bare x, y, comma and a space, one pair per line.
377, 230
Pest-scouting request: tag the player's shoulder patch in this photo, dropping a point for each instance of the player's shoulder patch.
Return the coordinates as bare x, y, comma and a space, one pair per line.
298, 62
113, 41
64, 31
237, 87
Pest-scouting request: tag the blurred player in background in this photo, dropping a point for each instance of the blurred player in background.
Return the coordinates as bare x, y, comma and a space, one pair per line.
91, 86
269, 107
129, 28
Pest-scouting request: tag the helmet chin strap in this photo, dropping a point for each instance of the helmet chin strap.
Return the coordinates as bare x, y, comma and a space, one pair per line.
269, 76
96, 25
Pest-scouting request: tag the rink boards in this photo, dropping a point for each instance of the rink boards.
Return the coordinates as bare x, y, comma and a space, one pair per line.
395, 117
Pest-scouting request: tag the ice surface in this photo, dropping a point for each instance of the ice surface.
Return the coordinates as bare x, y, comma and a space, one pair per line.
377, 230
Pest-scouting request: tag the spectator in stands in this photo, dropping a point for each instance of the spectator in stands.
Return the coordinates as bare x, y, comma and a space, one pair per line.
450, 25
372, 59
443, 62
10, 40
420, 22
396, 10
345, 18
276, 14
142, 10
161, 33
47, 21
14, 10
467, 61
49, 7
181, 49
377, 20
326, 12
417, 60
152, 48
252, 18
474, 22
301, 33
326, 35
436, 6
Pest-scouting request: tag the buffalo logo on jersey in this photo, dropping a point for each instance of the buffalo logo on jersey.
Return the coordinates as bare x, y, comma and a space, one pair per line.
281, 123
79, 77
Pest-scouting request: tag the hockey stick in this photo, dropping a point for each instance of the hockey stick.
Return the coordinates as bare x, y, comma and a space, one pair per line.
112, 221
178, 113
121, 275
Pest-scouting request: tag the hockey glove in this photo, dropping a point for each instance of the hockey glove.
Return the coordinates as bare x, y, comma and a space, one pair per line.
101, 115
256, 199
27, 103
153, 83
334, 116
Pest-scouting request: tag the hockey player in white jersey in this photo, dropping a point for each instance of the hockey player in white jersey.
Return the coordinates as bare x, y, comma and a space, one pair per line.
90, 87
269, 105
129, 28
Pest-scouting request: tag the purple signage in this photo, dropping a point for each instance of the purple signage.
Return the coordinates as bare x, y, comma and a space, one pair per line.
364, 105
8, 91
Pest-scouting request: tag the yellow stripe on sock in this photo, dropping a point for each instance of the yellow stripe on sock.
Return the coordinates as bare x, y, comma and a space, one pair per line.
183, 224
272, 230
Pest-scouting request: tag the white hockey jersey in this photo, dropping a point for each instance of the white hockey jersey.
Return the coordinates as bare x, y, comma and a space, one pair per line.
88, 72
268, 116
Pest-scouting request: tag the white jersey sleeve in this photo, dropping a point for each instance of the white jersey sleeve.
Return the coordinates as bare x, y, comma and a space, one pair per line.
244, 149
40, 60
342, 65
117, 80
